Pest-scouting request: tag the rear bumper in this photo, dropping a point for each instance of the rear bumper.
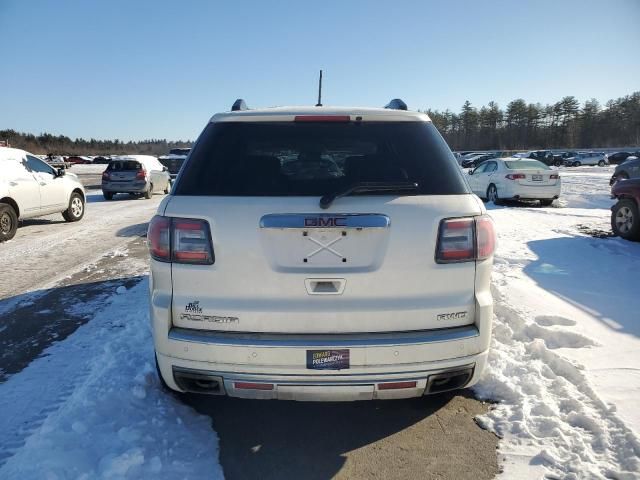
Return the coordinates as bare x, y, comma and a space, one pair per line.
275, 365
125, 187
525, 192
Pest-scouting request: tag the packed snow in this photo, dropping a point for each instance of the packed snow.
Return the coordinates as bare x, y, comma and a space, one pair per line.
564, 369
565, 361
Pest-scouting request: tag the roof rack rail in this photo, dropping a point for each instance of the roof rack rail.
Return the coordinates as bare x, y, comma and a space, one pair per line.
396, 104
238, 105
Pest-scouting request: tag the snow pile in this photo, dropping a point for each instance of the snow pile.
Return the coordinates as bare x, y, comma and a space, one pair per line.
93, 408
547, 408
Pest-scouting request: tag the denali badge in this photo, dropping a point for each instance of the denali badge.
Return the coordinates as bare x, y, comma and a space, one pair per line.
452, 316
325, 221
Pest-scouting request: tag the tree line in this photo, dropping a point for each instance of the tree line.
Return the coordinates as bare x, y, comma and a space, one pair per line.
62, 145
530, 126
520, 126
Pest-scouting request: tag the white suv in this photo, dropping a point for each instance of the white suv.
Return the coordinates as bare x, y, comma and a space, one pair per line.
321, 254
31, 188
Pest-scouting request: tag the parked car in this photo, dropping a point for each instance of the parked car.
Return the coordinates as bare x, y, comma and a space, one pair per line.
136, 175
630, 168
267, 283
180, 151
76, 159
586, 158
29, 187
100, 160
56, 161
619, 157
515, 178
475, 160
173, 162
625, 214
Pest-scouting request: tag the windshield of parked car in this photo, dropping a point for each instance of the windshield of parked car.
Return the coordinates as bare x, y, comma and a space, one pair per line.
526, 165
308, 159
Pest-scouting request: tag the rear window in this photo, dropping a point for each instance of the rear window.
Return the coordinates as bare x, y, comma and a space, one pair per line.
124, 165
309, 159
526, 165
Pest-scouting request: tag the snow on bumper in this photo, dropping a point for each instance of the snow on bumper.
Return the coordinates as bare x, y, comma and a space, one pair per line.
279, 362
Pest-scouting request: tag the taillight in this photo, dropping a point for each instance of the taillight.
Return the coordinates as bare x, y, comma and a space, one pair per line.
465, 239
105, 175
141, 174
180, 240
554, 176
515, 176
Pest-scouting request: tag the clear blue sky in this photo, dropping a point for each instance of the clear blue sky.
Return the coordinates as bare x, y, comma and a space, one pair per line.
137, 69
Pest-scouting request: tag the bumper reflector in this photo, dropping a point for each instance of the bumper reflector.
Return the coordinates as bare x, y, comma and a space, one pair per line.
396, 385
253, 386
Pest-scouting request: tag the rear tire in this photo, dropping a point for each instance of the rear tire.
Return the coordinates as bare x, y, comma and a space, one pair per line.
107, 195
625, 219
546, 202
601, 163
8, 222
576, 164
149, 193
75, 212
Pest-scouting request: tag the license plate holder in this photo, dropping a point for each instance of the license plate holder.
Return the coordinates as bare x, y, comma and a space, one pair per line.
536, 178
328, 359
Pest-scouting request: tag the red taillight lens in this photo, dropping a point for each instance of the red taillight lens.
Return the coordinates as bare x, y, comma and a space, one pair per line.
191, 241
455, 241
158, 238
396, 385
180, 240
141, 174
554, 176
465, 239
105, 176
515, 176
322, 118
253, 386
485, 237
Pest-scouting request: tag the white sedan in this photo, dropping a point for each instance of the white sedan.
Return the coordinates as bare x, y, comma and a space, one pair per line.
515, 178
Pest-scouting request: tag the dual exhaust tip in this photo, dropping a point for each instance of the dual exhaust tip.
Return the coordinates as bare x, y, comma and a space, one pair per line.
197, 381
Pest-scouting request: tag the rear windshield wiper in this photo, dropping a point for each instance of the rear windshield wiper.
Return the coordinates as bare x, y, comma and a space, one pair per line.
360, 187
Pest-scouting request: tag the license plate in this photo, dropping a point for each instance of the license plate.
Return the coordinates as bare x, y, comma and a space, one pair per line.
536, 178
328, 359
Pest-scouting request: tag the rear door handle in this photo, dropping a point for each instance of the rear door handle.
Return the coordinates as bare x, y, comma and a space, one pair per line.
13, 184
43, 183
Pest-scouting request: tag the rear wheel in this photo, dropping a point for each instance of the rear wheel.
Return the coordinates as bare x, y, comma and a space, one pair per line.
625, 219
8, 222
601, 163
149, 193
576, 164
76, 208
546, 202
107, 195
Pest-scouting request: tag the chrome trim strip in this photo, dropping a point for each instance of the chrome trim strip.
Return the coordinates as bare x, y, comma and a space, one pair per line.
325, 220
323, 340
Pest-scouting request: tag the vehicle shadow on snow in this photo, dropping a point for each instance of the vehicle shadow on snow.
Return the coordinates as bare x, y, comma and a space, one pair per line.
420, 437
99, 198
137, 230
596, 275
33, 321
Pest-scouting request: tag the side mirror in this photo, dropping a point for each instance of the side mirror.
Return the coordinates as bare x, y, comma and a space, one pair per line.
60, 172
470, 172
165, 169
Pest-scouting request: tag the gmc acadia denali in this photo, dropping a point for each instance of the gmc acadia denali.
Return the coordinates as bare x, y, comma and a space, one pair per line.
321, 253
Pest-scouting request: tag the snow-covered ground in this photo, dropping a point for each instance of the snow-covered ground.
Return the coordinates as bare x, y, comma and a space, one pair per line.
564, 367
565, 364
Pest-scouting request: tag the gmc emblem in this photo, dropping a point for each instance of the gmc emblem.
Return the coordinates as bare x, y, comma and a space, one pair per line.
329, 222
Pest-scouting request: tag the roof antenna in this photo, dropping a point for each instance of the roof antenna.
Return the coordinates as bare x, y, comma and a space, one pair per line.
319, 104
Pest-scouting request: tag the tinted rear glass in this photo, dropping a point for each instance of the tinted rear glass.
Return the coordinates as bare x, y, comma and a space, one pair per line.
304, 159
526, 165
121, 165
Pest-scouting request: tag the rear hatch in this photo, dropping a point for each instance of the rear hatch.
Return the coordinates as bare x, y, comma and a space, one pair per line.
284, 264
532, 173
122, 171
